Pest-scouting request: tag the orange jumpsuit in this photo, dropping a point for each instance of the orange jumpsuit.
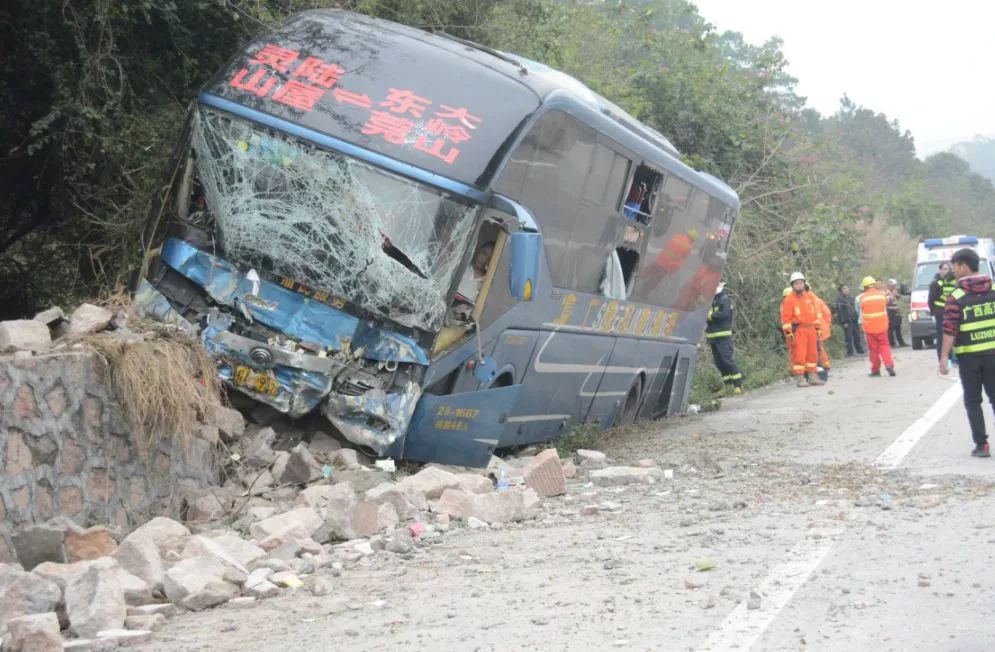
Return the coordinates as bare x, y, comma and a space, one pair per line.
801, 316
825, 323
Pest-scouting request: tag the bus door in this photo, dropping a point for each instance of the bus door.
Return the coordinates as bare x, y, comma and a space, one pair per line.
560, 384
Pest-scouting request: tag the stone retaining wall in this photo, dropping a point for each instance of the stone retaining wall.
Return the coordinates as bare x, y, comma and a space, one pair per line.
67, 449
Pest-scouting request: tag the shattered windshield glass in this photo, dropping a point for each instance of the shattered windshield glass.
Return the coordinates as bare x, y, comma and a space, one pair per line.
387, 244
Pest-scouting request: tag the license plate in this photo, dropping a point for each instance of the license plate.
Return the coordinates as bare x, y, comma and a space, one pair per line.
257, 381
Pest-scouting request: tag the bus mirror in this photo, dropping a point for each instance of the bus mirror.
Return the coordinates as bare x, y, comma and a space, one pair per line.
525, 248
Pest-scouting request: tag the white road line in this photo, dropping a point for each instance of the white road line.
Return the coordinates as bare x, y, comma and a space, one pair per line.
744, 626
894, 454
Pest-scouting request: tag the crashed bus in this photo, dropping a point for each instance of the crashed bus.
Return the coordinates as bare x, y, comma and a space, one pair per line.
443, 248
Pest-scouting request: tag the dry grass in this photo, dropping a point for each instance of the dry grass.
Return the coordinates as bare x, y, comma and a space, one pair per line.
163, 378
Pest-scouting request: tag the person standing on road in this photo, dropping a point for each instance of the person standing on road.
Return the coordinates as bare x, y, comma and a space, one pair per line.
969, 331
894, 316
718, 332
874, 316
801, 323
943, 284
846, 317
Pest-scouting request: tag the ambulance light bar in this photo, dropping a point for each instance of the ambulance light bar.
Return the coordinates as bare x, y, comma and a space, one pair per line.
952, 240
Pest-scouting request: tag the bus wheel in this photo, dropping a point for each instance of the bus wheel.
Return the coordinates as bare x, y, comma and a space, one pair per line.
627, 411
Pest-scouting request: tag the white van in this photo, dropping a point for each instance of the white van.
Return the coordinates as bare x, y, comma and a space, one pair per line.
929, 254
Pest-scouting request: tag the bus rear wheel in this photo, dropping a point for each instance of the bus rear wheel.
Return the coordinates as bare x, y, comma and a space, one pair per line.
629, 407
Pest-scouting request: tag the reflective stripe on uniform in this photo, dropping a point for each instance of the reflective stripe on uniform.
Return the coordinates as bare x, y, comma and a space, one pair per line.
732, 377
875, 314
712, 336
958, 293
974, 348
975, 325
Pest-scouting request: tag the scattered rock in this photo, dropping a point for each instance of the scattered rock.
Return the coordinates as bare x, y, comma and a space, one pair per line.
92, 543
622, 475
230, 423
262, 590
388, 492
242, 603
24, 335
475, 523
346, 458
25, 594
474, 483
151, 622
34, 633
569, 469
431, 482
319, 586
286, 579
165, 533
754, 601
300, 468
40, 543
88, 319
166, 609
589, 459
302, 519
95, 601
238, 548
497, 507
530, 499
544, 474
125, 637
139, 555
51, 316
258, 452
202, 546
645, 464
285, 551
198, 583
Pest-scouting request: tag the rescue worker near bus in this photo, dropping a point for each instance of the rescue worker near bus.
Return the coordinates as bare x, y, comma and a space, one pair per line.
943, 284
894, 316
846, 317
874, 316
825, 327
969, 331
718, 333
801, 322
788, 341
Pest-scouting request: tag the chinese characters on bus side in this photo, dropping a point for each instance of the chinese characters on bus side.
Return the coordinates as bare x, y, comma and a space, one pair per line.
402, 118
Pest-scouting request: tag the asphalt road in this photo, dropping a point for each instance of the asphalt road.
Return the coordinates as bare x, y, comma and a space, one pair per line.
846, 517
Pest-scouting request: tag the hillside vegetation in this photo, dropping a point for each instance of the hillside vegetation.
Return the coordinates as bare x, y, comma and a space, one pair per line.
94, 93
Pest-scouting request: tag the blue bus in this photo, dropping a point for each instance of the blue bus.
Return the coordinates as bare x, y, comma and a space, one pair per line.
443, 248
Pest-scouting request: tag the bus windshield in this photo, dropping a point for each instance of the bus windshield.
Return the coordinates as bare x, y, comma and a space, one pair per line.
279, 205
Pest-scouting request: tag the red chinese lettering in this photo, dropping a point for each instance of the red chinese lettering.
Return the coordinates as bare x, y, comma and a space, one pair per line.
404, 101
394, 129
319, 72
434, 147
275, 57
452, 133
252, 85
348, 97
299, 95
460, 114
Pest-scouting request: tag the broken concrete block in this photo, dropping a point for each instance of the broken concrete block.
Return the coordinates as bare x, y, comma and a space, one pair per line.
337, 525
346, 458
530, 499
364, 519
569, 469
238, 548
300, 467
95, 601
258, 452
166, 533
34, 633
622, 475
25, 594
280, 461
362, 479
136, 590
451, 502
431, 482
198, 583
92, 543
387, 518
49, 317
151, 622
24, 335
88, 319
388, 492
474, 483
166, 609
544, 474
206, 507
590, 459
40, 543
496, 507
319, 586
322, 446
305, 519
230, 423
125, 637
139, 555
263, 589
202, 546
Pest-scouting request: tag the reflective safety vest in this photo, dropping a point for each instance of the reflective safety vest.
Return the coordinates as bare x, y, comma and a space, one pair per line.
874, 311
947, 285
976, 332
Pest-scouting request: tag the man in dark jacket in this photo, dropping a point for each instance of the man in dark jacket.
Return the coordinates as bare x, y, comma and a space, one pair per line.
943, 284
969, 330
846, 317
718, 333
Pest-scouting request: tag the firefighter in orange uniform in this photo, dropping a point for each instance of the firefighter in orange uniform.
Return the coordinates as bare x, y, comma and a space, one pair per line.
801, 321
826, 323
874, 312
789, 341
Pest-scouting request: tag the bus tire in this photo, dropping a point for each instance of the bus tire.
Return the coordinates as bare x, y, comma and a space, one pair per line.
630, 404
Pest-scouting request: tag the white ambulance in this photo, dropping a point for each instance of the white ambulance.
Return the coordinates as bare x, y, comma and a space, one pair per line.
929, 255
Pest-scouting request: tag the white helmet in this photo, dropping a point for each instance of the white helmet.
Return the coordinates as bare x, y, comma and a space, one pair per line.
797, 276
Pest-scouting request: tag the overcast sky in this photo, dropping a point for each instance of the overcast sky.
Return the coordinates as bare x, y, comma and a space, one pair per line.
928, 65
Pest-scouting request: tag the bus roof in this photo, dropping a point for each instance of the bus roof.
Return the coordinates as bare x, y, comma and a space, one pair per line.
400, 92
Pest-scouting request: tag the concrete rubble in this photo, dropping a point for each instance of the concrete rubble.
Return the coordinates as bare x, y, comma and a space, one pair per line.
297, 508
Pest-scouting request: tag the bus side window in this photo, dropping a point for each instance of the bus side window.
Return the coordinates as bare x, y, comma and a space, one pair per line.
640, 199
671, 240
